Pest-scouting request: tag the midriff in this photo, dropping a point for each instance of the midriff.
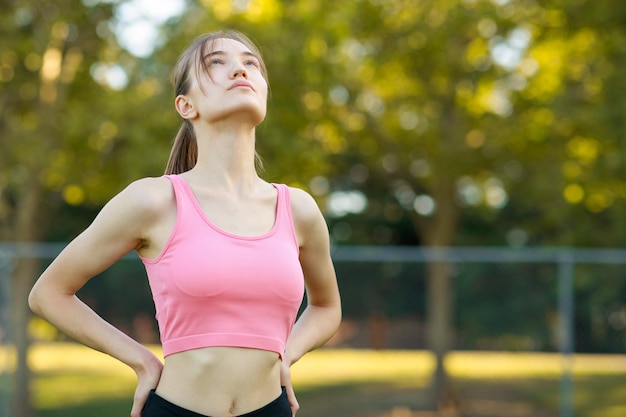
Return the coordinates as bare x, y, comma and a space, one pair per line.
221, 381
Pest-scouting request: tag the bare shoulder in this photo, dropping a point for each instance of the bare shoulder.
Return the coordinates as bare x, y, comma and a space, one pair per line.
132, 216
138, 206
303, 205
148, 195
125, 223
153, 188
307, 217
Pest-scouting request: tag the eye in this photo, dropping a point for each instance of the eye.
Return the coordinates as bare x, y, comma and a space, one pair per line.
216, 62
252, 62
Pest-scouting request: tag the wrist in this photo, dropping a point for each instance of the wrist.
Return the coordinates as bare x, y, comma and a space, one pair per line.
289, 358
146, 363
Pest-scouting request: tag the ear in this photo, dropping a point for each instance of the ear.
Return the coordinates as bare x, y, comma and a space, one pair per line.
185, 108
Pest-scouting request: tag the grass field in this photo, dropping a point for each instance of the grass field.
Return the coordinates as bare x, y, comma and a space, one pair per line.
72, 381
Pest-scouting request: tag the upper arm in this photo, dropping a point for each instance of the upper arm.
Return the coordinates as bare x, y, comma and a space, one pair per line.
312, 231
121, 226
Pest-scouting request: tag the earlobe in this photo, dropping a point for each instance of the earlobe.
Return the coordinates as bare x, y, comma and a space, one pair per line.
185, 108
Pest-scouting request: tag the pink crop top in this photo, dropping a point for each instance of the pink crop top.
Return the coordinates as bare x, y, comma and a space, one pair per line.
213, 288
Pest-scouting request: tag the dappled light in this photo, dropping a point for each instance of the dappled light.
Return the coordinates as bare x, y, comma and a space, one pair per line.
257, 11
112, 76
586, 150
573, 193
496, 123
73, 195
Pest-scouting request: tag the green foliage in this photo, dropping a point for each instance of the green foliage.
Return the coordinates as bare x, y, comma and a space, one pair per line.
503, 114
506, 115
463, 122
64, 128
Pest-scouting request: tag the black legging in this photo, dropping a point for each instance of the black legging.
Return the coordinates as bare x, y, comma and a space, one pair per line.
160, 407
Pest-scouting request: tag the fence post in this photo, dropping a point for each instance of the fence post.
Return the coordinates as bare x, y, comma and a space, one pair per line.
6, 364
566, 330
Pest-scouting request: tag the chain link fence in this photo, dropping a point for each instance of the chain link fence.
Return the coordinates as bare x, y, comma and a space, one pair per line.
527, 299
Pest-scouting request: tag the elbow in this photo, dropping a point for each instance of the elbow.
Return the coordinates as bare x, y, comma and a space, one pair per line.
333, 317
338, 317
333, 322
33, 301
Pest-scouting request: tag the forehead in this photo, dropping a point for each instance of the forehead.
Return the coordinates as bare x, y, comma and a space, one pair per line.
228, 46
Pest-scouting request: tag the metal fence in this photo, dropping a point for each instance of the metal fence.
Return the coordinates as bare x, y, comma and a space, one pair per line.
361, 263
565, 261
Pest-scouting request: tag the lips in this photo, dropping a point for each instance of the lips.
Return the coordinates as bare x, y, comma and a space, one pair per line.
241, 84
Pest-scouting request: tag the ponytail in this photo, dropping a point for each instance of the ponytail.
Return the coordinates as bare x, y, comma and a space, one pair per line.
184, 154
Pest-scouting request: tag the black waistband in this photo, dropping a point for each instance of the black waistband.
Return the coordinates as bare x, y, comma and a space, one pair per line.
275, 408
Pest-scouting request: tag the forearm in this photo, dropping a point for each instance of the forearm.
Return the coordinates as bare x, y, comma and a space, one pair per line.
315, 326
75, 319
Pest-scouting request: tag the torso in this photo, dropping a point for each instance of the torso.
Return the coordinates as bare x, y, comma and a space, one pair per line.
215, 381
221, 381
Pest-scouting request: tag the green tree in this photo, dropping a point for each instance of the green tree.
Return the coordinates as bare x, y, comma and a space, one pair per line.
63, 130
445, 114
443, 111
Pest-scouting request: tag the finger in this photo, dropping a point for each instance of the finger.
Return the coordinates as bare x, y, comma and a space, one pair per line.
293, 401
136, 410
138, 403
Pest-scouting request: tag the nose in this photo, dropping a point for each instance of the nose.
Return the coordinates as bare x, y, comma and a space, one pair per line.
239, 71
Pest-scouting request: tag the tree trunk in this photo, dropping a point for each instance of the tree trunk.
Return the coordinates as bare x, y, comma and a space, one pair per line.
440, 310
438, 231
25, 272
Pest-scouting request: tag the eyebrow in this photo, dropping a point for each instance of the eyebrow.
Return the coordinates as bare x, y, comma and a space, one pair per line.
214, 53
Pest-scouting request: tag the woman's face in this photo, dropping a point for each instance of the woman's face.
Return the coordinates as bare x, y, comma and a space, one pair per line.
233, 87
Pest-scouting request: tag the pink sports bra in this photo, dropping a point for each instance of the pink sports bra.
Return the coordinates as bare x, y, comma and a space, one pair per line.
214, 288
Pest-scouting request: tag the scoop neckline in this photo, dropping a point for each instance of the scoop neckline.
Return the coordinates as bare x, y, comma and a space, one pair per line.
208, 221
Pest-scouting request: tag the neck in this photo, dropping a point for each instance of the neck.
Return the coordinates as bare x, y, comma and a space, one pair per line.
226, 156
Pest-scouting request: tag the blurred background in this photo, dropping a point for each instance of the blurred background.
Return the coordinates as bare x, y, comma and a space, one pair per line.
469, 157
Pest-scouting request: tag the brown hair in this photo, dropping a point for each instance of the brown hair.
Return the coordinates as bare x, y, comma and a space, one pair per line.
184, 154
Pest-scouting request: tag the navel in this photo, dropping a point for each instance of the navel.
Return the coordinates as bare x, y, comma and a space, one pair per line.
233, 409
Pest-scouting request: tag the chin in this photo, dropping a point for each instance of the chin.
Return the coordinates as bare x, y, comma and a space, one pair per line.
252, 113
246, 114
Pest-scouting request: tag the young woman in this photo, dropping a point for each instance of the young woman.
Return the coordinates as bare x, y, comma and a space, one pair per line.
228, 256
